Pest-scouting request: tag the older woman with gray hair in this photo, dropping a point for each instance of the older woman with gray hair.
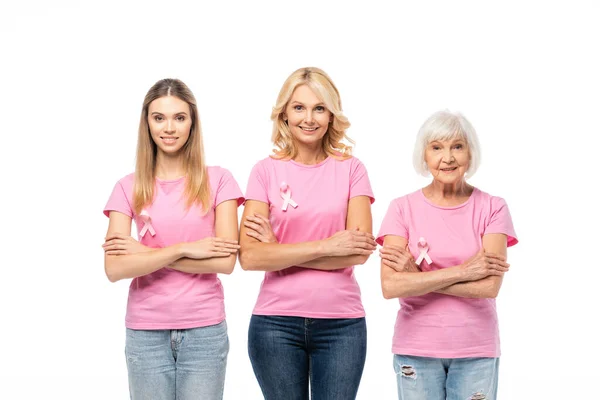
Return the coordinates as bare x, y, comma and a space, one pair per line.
444, 256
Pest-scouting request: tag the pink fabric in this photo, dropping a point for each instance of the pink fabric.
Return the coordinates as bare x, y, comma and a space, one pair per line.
437, 325
169, 299
321, 192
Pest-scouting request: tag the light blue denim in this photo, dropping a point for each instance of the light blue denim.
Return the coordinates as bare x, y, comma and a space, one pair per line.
421, 378
177, 364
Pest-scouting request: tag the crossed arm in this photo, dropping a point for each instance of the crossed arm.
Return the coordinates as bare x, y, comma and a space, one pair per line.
478, 277
260, 251
125, 257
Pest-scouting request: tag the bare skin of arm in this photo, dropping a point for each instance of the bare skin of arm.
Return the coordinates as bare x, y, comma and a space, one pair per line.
258, 253
488, 287
124, 257
226, 227
400, 276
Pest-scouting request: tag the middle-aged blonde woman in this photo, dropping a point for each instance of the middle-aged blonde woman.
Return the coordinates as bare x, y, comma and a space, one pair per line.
308, 324
444, 256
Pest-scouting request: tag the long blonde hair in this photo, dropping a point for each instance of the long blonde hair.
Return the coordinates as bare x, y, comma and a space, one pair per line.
197, 186
322, 85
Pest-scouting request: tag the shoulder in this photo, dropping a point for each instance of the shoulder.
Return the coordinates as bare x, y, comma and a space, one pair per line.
404, 202
127, 181
487, 201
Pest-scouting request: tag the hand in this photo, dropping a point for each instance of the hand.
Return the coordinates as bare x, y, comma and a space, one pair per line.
209, 247
483, 264
117, 244
259, 228
399, 259
350, 243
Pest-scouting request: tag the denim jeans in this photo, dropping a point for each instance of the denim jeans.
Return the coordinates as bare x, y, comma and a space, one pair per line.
289, 352
181, 364
446, 378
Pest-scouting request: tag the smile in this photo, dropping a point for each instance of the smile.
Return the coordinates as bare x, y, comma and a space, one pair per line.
308, 129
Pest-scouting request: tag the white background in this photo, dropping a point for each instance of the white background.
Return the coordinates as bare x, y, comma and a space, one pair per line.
73, 78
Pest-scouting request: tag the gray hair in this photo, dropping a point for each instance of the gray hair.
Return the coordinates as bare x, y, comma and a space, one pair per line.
445, 125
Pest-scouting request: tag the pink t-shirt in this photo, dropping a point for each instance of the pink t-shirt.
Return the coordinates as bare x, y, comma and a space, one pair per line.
322, 192
166, 298
438, 325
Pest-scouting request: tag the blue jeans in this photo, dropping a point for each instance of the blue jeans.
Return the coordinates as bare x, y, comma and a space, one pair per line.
446, 378
289, 352
181, 364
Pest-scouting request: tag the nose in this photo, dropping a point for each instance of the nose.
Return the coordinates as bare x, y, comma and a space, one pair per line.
448, 156
170, 126
308, 118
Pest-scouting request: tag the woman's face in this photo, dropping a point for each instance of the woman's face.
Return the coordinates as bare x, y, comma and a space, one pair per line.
307, 117
448, 160
170, 122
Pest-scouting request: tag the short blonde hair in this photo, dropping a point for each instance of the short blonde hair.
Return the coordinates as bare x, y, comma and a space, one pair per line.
445, 125
323, 87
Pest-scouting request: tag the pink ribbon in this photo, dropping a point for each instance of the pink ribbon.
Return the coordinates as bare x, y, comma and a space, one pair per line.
145, 217
286, 195
423, 249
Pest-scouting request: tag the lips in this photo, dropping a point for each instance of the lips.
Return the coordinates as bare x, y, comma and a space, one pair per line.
448, 169
306, 129
169, 139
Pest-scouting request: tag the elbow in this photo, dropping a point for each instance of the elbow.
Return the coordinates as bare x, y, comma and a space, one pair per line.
229, 265
111, 272
387, 290
492, 292
247, 261
360, 260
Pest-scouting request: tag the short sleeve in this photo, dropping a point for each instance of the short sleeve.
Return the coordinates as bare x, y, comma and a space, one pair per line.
228, 189
257, 184
393, 223
118, 202
359, 181
501, 221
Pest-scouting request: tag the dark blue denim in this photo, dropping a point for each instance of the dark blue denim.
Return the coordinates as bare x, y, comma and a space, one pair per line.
289, 352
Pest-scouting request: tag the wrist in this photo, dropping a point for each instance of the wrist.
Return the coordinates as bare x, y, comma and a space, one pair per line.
181, 250
322, 248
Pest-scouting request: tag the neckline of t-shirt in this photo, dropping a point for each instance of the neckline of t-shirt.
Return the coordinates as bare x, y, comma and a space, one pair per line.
448, 207
317, 165
169, 181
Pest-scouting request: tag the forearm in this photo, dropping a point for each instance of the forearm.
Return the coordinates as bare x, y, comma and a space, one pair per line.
214, 265
329, 263
483, 288
258, 256
407, 284
119, 267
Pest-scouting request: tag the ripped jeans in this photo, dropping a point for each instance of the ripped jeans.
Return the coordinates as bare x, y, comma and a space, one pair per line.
446, 378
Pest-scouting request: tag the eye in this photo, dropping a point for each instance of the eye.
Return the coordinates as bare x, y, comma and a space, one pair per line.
435, 147
320, 108
298, 108
158, 118
180, 118
458, 147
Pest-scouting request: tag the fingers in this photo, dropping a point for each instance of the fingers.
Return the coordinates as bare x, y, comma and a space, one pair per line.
392, 265
223, 240
494, 256
221, 254
497, 261
257, 236
116, 236
116, 252
254, 226
263, 218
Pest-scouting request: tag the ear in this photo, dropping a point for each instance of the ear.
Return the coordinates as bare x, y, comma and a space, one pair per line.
284, 117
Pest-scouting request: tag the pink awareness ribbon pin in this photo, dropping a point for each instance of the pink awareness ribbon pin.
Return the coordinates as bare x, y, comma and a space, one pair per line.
286, 195
423, 248
145, 217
